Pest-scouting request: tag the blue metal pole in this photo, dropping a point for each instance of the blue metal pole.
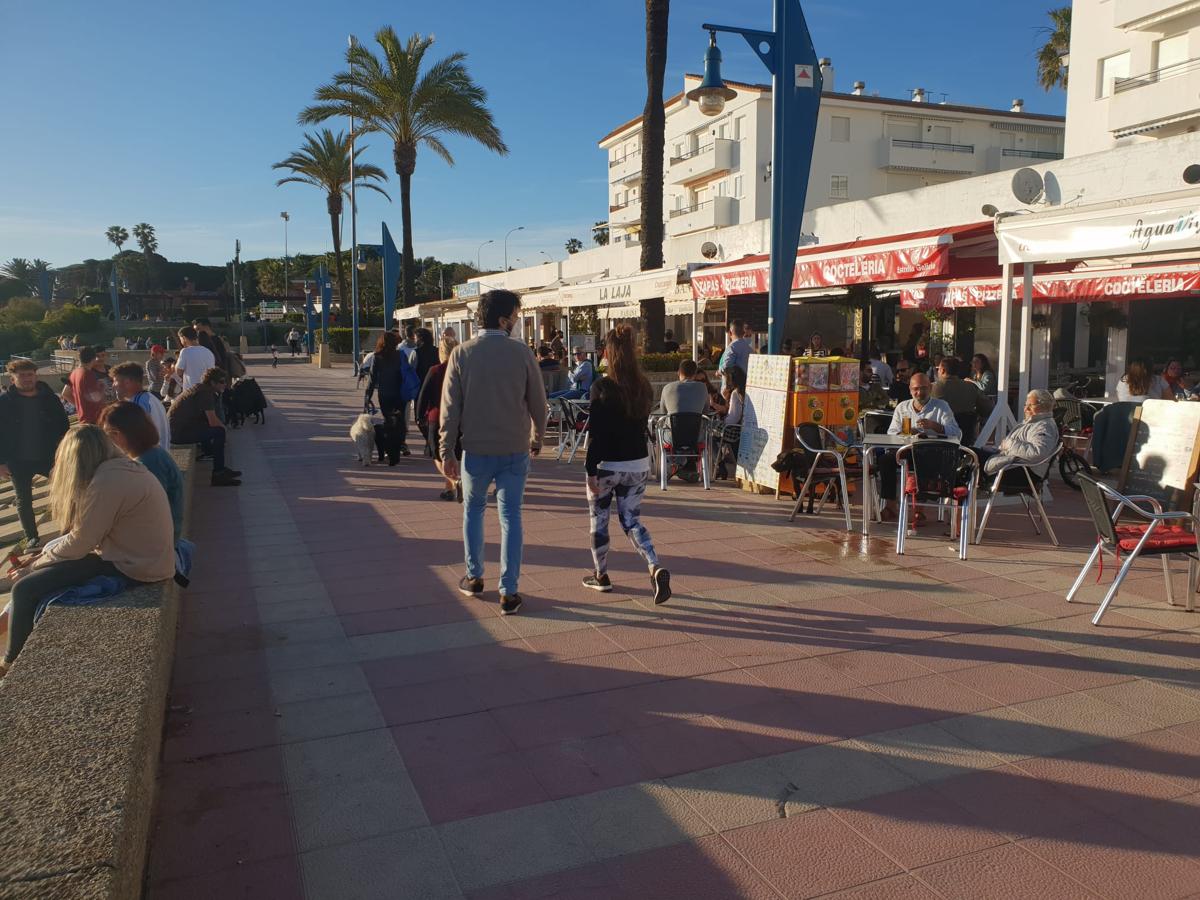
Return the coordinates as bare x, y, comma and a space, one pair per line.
112, 293
308, 317
391, 276
795, 102
326, 301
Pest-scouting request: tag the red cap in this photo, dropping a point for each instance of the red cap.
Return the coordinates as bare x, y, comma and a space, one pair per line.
158, 347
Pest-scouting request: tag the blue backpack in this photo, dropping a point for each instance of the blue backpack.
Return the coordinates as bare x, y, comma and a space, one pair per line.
410, 384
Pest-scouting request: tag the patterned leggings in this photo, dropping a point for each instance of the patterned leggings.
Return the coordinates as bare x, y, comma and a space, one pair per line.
628, 488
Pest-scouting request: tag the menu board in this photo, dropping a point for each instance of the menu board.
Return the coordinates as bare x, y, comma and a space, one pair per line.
1163, 452
764, 422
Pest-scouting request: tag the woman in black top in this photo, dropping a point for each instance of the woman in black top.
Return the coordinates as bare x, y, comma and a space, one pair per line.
426, 356
387, 375
618, 464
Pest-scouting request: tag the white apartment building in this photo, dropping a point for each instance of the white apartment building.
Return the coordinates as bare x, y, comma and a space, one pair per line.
717, 169
1134, 72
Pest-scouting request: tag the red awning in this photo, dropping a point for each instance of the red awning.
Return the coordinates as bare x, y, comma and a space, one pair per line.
901, 257
1069, 287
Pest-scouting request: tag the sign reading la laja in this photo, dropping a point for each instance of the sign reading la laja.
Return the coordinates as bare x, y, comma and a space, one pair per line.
924, 260
616, 291
1153, 227
1128, 285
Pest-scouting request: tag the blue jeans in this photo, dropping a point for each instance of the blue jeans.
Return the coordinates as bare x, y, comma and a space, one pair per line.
509, 473
567, 395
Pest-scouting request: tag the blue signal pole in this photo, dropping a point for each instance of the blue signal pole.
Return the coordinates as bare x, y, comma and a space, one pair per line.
788, 54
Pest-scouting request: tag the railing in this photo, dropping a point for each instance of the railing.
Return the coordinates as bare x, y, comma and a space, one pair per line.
621, 206
933, 145
1120, 85
1032, 154
613, 163
692, 153
690, 209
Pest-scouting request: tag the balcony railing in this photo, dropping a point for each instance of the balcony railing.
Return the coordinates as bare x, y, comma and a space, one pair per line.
933, 145
675, 213
1166, 73
621, 206
691, 153
1032, 154
613, 163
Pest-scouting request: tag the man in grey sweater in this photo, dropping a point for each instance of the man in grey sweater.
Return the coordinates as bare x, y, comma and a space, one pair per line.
494, 396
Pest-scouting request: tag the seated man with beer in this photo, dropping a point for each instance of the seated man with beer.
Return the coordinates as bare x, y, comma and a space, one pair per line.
923, 415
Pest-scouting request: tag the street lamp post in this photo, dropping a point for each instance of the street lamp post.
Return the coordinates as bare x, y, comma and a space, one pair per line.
353, 234
286, 218
788, 54
518, 228
479, 255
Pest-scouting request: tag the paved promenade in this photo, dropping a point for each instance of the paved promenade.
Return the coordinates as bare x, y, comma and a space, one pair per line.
808, 716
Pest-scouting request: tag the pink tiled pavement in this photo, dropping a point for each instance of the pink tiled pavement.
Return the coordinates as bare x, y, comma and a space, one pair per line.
782, 639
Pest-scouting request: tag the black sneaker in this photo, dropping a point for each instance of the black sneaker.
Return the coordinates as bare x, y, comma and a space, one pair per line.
509, 604
224, 479
234, 472
446, 495
470, 587
598, 583
404, 451
661, 579
458, 491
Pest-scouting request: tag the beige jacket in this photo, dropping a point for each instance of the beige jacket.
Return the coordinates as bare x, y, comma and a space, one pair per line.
494, 395
125, 515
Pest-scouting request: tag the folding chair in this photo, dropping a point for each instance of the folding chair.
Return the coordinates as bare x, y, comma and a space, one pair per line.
1022, 481
573, 428
823, 445
931, 472
683, 436
1162, 533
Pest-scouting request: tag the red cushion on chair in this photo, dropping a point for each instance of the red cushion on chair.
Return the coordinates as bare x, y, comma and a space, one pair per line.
1165, 537
960, 493
910, 485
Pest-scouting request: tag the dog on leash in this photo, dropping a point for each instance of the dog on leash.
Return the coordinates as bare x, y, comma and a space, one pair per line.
362, 433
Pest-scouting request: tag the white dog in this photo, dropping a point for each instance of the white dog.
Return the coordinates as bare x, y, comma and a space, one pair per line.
362, 432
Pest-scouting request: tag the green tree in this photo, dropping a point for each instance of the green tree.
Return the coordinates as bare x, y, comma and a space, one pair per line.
574, 245
20, 270
654, 122
22, 309
147, 240
1051, 68
393, 96
600, 234
323, 162
117, 235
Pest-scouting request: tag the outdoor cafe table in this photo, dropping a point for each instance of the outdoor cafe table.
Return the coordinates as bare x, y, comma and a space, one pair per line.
870, 443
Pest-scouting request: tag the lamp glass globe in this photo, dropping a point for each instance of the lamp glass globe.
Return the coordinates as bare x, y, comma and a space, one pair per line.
712, 104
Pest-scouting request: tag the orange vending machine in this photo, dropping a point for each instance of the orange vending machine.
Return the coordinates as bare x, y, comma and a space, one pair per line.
841, 407
825, 392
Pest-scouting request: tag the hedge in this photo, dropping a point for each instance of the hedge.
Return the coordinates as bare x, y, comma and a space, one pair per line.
663, 362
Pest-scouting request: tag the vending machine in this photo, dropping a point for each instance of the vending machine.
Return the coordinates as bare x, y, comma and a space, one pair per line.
825, 392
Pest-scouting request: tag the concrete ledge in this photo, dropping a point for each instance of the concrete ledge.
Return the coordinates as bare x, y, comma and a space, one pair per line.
81, 718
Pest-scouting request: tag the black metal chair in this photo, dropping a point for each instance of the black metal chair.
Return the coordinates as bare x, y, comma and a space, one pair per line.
683, 436
725, 440
932, 473
1162, 533
1024, 479
828, 467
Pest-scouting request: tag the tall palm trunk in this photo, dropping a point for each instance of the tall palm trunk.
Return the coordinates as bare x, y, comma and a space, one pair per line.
405, 158
334, 204
654, 122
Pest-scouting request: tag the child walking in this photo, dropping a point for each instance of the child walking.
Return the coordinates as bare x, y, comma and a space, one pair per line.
618, 465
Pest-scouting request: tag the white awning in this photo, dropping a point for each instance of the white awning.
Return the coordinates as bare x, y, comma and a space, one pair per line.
684, 307
620, 291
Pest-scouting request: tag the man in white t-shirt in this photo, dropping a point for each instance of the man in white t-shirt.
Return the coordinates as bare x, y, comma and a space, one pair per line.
193, 360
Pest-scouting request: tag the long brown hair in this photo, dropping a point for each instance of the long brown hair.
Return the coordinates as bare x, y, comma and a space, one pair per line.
1137, 377
387, 344
633, 388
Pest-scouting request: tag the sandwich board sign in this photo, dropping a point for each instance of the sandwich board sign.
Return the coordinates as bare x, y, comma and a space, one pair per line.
1162, 458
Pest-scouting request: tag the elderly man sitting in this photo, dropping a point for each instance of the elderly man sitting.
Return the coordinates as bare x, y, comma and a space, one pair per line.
927, 416
1033, 440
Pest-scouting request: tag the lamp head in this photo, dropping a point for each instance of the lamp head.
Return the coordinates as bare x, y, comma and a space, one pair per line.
989, 210
712, 92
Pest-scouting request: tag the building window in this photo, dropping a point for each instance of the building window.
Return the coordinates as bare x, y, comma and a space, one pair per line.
839, 187
1111, 69
738, 127
1170, 51
839, 129
737, 186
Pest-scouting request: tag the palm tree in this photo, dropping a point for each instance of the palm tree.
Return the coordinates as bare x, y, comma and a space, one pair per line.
324, 162
21, 271
654, 122
1052, 71
143, 233
391, 95
117, 235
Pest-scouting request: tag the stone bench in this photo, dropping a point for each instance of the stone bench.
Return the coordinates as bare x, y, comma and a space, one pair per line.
81, 719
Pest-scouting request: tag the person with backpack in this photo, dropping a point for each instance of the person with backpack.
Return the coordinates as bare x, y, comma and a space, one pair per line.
396, 382
618, 463
429, 404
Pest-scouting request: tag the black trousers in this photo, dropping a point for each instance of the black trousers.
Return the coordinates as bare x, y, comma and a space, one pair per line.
395, 426
29, 592
211, 440
22, 478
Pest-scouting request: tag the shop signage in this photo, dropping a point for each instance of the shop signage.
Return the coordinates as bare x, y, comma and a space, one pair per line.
619, 291
925, 260
1125, 231
466, 290
1128, 285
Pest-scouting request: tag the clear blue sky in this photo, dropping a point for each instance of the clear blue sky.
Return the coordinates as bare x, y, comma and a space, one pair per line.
172, 113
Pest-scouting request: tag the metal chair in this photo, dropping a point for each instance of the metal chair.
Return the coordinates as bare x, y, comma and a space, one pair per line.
1163, 533
1026, 483
683, 436
874, 421
931, 472
725, 439
573, 428
822, 444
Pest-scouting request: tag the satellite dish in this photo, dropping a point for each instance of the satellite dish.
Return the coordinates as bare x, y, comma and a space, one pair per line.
709, 250
1027, 185
1191, 174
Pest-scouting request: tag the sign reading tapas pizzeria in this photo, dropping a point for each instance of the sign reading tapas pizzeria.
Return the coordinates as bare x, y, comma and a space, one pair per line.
1133, 229
868, 266
1127, 285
